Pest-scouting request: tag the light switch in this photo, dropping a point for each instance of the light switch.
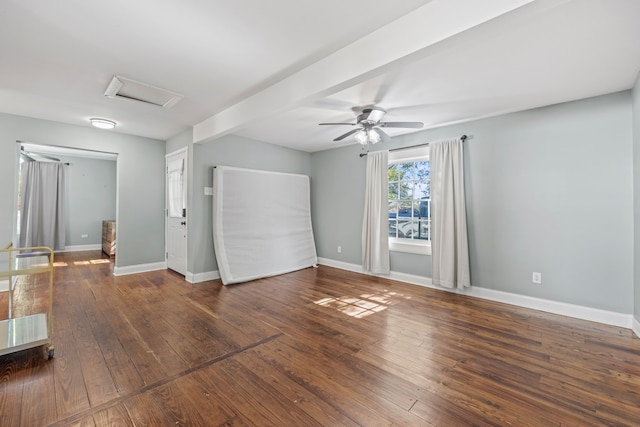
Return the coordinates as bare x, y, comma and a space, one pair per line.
208, 191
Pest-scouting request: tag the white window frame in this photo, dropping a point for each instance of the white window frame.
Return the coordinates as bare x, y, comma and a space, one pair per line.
413, 154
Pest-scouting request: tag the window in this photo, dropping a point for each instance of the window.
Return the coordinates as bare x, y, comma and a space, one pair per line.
410, 200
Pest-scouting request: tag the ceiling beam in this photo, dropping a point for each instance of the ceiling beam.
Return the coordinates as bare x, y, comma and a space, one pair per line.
409, 38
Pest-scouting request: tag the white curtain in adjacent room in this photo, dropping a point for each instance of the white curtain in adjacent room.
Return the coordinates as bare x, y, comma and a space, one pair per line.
449, 244
375, 223
175, 171
42, 201
261, 223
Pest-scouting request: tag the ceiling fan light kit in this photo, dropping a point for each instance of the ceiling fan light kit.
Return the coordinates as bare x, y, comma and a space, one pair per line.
367, 136
369, 124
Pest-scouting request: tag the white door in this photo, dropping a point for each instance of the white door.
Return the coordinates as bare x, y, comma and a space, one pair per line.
177, 211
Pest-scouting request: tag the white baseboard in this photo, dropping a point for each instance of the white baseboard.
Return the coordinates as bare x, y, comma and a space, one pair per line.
202, 277
4, 285
140, 268
78, 248
565, 309
341, 265
549, 306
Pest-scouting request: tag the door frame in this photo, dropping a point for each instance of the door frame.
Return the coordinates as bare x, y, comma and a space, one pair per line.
184, 150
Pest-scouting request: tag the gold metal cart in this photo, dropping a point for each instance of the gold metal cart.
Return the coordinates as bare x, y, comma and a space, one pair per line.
26, 267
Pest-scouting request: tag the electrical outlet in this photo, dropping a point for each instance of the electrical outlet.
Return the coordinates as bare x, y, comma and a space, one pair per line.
339, 249
84, 236
537, 278
208, 191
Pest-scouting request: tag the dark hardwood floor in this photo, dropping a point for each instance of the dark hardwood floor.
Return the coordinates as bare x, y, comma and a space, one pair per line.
318, 347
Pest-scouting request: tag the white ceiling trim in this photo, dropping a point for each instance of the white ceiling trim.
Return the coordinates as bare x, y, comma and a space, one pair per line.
404, 39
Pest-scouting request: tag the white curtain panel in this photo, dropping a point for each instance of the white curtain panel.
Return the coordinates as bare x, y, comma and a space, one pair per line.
42, 201
175, 171
261, 223
449, 244
375, 224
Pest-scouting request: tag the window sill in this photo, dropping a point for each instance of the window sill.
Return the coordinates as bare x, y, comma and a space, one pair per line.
411, 248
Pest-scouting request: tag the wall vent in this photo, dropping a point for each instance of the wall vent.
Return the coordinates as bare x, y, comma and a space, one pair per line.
122, 87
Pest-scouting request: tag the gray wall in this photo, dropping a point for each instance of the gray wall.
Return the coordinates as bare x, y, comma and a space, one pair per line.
547, 190
91, 198
337, 200
228, 151
140, 181
183, 139
636, 198
337, 197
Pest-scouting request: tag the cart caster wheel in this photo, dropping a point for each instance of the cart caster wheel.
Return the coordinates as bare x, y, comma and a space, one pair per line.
50, 353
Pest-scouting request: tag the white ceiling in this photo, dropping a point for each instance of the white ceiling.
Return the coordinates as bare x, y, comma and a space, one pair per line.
273, 70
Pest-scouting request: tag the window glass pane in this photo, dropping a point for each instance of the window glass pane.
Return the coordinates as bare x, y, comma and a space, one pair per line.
393, 191
406, 171
405, 210
415, 228
415, 191
423, 171
404, 229
422, 190
393, 209
424, 231
424, 208
416, 208
393, 225
405, 190
392, 173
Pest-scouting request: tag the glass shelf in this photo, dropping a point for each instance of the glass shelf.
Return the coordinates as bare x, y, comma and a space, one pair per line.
22, 333
31, 330
17, 263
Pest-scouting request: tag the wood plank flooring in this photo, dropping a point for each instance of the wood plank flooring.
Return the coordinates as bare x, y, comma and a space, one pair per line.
318, 347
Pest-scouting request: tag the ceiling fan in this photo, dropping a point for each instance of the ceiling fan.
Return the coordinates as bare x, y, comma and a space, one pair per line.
369, 126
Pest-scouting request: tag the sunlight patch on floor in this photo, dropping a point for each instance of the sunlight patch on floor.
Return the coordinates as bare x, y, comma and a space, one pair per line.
362, 306
92, 261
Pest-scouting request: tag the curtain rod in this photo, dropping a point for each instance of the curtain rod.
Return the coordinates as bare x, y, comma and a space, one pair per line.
463, 138
29, 156
31, 160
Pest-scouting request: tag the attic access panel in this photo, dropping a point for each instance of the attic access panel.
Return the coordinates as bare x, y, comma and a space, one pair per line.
122, 87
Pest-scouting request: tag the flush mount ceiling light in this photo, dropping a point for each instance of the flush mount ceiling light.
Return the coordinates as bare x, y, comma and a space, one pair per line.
103, 123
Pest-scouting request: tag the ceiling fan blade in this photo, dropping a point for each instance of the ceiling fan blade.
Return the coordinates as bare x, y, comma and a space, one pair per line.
351, 132
350, 124
415, 125
383, 135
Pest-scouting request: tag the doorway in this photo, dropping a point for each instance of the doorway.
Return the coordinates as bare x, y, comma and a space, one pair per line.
176, 207
91, 191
